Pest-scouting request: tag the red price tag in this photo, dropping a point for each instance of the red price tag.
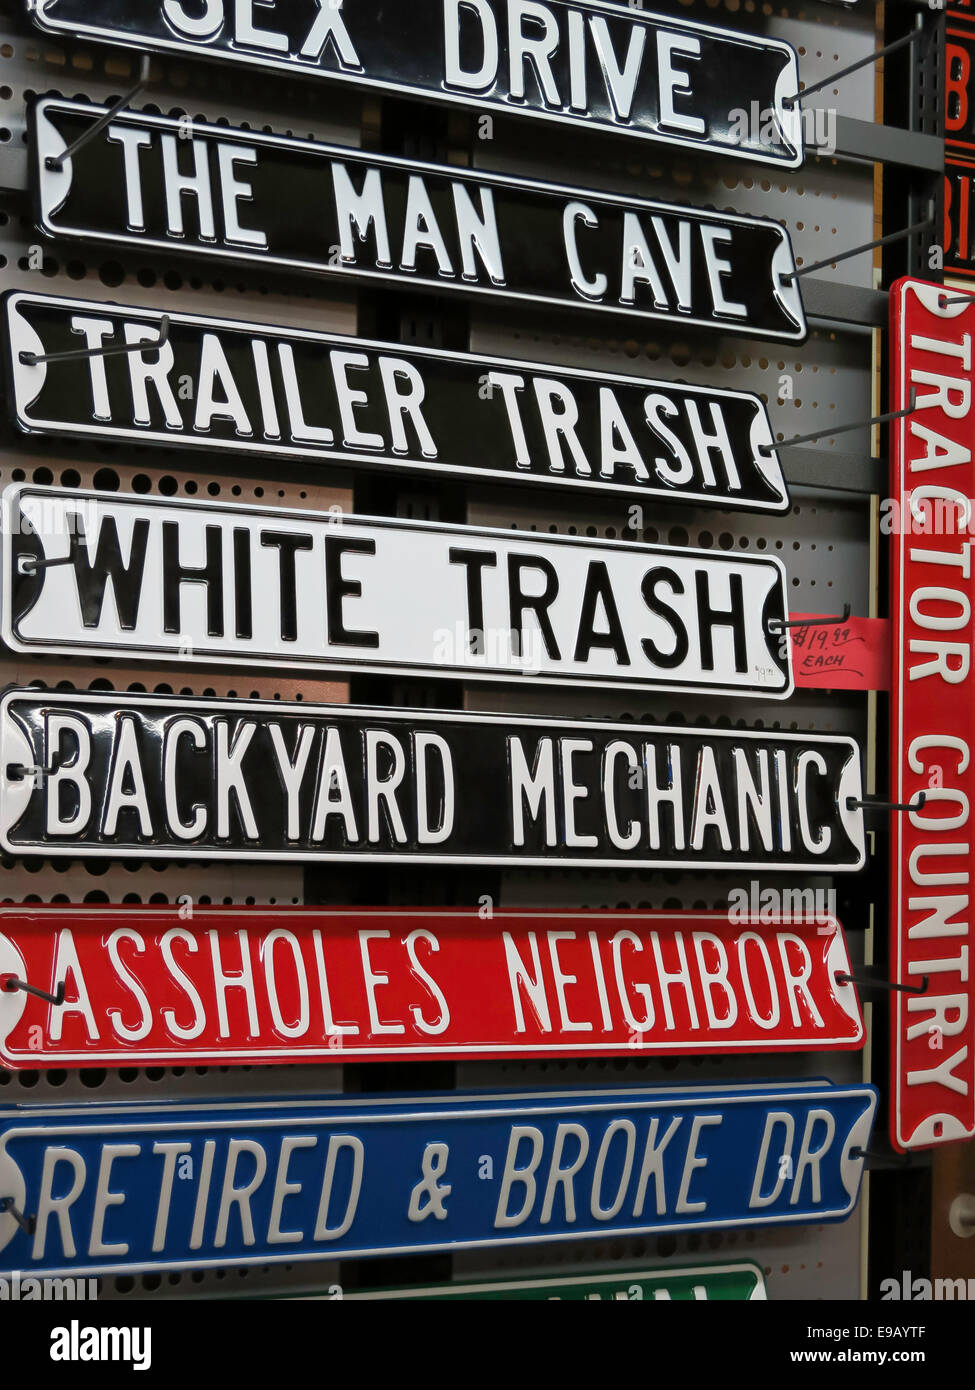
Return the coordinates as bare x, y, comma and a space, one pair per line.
854, 655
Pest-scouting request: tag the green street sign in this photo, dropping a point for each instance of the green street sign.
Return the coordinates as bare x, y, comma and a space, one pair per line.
709, 1283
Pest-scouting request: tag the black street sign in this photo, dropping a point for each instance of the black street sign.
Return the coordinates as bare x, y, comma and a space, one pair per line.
120, 776
297, 205
572, 62
288, 394
96, 574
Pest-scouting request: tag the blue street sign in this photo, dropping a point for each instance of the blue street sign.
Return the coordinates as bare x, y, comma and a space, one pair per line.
116, 1188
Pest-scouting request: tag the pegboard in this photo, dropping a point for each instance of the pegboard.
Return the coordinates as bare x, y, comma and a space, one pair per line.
824, 541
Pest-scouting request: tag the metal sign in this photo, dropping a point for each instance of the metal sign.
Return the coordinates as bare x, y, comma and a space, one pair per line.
932, 717
959, 186
960, 89
581, 63
218, 583
145, 777
959, 233
707, 1284
126, 1188
242, 196
271, 393
195, 985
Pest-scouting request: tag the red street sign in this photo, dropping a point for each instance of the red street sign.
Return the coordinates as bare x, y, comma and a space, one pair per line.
159, 986
932, 716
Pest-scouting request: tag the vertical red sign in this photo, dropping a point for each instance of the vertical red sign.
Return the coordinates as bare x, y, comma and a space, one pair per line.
932, 716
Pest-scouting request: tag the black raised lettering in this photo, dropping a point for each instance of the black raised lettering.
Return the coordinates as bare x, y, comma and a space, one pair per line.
520, 603
92, 576
709, 618
243, 585
287, 544
476, 562
663, 575
176, 574
338, 589
600, 590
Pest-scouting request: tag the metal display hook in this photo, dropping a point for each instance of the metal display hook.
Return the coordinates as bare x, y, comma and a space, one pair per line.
876, 1158
946, 302
874, 803
16, 772
875, 57
769, 449
29, 564
891, 239
28, 1224
10, 985
56, 162
34, 359
776, 626
871, 981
